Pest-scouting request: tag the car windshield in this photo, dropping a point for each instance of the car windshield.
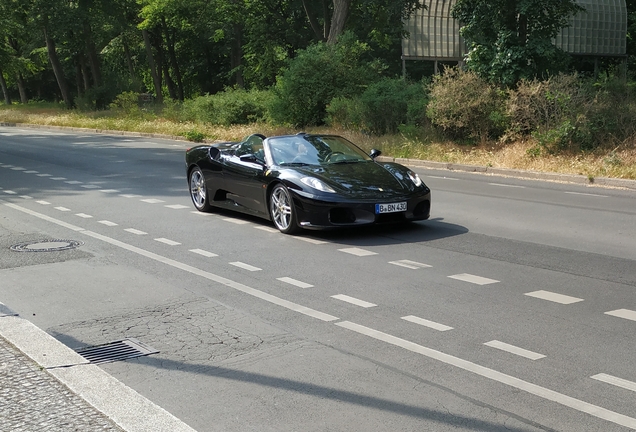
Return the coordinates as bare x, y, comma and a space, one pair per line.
302, 150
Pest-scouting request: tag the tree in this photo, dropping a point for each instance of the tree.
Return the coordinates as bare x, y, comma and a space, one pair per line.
509, 40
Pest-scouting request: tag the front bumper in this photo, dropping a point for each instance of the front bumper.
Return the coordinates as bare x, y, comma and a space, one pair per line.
318, 214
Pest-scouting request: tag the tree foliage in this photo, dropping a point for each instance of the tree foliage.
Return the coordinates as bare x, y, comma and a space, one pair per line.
510, 40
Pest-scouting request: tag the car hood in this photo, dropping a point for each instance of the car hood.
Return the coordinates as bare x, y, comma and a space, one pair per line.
363, 179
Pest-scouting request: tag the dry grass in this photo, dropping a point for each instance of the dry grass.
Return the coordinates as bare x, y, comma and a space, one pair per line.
617, 162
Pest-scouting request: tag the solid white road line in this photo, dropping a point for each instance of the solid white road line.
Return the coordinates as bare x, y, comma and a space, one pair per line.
492, 374
478, 280
357, 251
618, 382
167, 241
409, 264
623, 313
427, 323
443, 178
245, 266
295, 282
185, 267
107, 223
203, 253
135, 231
353, 300
554, 297
514, 350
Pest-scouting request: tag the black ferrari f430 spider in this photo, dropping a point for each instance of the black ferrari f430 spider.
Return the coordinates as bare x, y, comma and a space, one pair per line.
305, 181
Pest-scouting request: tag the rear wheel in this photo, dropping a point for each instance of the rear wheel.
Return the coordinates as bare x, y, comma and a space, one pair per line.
282, 211
198, 190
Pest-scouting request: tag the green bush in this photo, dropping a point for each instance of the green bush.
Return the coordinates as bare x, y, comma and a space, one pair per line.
126, 102
232, 106
316, 76
382, 108
465, 106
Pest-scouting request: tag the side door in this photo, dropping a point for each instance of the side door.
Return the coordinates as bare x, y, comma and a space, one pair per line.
245, 180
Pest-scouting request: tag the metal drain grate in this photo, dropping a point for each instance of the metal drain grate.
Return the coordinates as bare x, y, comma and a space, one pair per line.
116, 351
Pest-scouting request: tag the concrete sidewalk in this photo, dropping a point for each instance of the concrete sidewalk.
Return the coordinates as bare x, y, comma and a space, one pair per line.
46, 386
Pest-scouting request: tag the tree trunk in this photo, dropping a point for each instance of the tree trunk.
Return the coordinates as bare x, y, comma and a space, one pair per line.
169, 82
57, 68
78, 78
5, 89
85, 78
93, 58
170, 39
313, 21
237, 55
22, 88
153, 69
326, 18
131, 67
338, 20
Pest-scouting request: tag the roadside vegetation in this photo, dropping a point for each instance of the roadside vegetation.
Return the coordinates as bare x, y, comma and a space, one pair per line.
217, 71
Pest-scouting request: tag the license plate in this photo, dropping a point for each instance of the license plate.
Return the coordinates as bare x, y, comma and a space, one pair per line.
390, 208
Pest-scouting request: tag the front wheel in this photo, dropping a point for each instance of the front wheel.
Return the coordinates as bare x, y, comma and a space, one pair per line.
198, 190
282, 210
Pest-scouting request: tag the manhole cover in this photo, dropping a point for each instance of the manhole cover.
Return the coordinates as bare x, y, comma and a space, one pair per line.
46, 246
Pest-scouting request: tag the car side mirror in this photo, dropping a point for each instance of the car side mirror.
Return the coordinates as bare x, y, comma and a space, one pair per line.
375, 153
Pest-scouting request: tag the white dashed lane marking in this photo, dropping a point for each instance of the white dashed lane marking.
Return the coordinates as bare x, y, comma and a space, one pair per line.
409, 264
26, 197
623, 313
44, 175
443, 178
167, 241
83, 215
73, 182
109, 190
506, 185
310, 240
554, 297
236, 221
90, 186
177, 206
107, 223
152, 201
64, 209
43, 202
357, 251
135, 231
618, 382
130, 196
478, 280
31, 172
353, 300
542, 392
514, 350
9, 192
245, 266
18, 169
295, 282
58, 178
266, 228
203, 253
586, 194
427, 323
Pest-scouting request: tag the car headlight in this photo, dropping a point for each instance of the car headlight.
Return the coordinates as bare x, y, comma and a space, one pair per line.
417, 181
314, 183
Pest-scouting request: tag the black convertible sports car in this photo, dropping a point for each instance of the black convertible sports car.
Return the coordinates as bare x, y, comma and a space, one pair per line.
305, 181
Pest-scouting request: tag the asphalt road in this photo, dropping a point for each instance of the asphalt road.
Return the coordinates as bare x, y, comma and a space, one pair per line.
512, 309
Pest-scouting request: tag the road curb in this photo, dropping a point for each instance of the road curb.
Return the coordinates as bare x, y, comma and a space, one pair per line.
449, 166
128, 409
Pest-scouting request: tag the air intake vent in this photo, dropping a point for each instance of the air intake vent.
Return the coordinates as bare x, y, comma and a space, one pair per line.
116, 351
